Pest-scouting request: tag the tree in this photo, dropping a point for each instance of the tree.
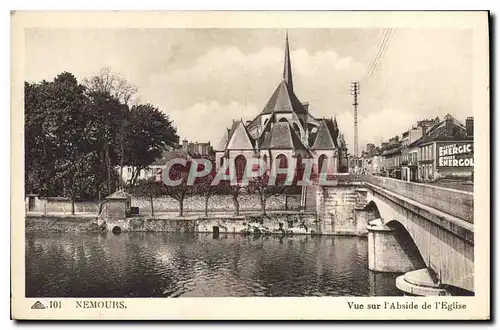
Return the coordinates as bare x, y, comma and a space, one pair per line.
107, 81
55, 132
74, 174
106, 119
149, 133
203, 185
235, 186
260, 186
149, 188
180, 191
65, 121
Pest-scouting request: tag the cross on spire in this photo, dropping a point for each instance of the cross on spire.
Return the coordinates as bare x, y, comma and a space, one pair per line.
287, 70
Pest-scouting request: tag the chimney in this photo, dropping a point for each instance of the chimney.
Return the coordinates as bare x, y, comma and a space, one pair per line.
469, 126
424, 130
449, 125
185, 145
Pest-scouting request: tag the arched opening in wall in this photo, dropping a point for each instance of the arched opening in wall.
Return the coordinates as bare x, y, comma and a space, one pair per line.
407, 243
282, 163
283, 120
264, 158
221, 161
265, 121
240, 163
372, 210
321, 161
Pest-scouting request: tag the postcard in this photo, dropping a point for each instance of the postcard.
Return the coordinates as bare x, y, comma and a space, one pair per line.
251, 165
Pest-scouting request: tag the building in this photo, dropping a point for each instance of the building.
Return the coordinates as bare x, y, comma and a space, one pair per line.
197, 148
189, 150
371, 160
446, 150
392, 158
409, 166
285, 131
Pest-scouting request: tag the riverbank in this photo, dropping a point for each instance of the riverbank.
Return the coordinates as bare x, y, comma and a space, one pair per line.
285, 222
61, 223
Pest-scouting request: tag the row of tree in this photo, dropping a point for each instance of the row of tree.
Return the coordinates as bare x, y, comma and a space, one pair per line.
77, 136
203, 186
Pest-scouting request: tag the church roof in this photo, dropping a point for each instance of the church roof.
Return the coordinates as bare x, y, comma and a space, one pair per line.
239, 138
287, 70
282, 136
283, 100
326, 138
221, 146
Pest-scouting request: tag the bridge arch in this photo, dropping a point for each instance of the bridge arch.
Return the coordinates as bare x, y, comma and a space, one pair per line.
372, 208
407, 243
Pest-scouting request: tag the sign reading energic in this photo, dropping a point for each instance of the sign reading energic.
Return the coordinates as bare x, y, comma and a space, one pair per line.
455, 155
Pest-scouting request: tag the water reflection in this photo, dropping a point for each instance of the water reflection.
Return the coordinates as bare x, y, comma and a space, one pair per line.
173, 265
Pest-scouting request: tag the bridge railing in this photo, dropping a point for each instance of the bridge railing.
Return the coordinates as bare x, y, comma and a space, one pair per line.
455, 202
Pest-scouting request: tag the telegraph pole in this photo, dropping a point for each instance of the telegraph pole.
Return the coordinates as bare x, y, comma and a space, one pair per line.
355, 92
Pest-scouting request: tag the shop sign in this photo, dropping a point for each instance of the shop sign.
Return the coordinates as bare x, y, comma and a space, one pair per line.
455, 155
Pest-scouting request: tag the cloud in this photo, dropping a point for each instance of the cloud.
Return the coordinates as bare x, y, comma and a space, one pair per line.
206, 121
225, 83
376, 126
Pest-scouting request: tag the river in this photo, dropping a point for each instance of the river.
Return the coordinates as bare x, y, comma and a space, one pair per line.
198, 265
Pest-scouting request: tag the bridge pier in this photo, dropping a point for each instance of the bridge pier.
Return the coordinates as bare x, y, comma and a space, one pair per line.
384, 250
420, 283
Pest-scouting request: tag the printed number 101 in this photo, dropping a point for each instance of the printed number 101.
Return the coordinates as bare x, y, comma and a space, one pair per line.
54, 304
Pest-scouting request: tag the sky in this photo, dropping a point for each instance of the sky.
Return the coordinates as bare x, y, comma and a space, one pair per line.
205, 78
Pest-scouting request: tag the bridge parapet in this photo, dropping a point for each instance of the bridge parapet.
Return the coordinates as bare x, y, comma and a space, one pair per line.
455, 202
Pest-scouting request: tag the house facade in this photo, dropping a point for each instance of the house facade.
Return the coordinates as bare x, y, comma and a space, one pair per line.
446, 150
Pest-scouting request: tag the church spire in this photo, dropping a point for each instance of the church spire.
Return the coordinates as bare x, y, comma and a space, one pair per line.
287, 71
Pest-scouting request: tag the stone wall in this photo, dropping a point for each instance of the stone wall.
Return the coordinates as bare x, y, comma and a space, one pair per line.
225, 224
340, 211
216, 203
62, 205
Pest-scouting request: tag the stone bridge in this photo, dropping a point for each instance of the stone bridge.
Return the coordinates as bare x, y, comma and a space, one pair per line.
421, 225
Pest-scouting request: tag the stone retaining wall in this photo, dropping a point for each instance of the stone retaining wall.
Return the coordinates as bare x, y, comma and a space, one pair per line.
166, 204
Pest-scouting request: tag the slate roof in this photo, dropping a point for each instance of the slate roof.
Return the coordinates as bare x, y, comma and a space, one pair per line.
120, 194
282, 136
326, 138
392, 150
221, 146
239, 138
438, 133
287, 70
283, 100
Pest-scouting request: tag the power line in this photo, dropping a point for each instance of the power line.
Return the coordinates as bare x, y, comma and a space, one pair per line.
386, 44
379, 47
378, 56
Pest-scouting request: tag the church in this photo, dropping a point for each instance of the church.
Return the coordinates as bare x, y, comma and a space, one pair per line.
285, 131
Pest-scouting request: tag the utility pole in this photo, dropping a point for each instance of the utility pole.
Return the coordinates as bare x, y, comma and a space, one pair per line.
355, 92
